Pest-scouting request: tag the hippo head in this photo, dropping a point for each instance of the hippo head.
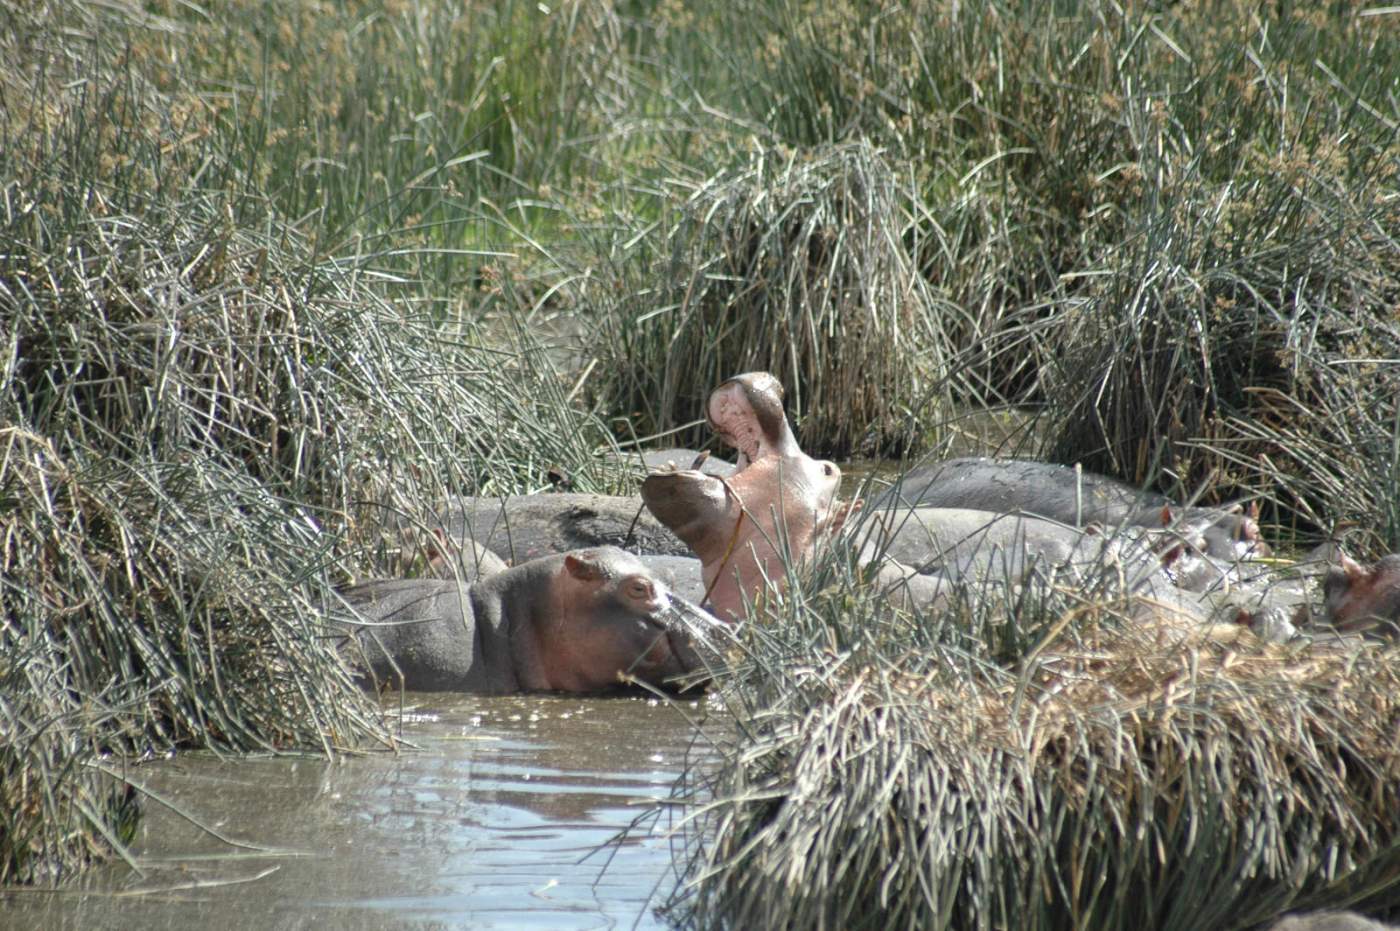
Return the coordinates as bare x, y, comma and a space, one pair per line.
1234, 534
613, 620
1225, 533
1357, 598
777, 503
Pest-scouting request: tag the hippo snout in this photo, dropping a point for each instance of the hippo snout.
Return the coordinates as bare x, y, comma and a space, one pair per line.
689, 502
694, 635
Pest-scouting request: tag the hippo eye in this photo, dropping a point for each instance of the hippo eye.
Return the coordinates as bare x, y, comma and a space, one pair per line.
638, 588
828, 469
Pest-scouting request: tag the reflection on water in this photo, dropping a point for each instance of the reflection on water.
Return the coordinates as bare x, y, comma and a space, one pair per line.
496, 824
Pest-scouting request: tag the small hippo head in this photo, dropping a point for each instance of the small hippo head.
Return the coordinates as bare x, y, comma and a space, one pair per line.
1225, 533
1357, 598
746, 413
613, 620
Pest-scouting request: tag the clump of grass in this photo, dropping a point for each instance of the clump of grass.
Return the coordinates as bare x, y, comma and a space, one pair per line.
1327, 447
208, 425
1228, 340
884, 773
791, 263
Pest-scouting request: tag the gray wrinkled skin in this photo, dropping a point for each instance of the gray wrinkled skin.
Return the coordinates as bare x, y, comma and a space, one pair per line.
657, 460
680, 573
523, 527
1071, 497
962, 542
570, 622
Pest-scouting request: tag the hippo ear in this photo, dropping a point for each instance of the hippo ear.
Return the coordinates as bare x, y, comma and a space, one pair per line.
583, 568
1354, 570
1166, 515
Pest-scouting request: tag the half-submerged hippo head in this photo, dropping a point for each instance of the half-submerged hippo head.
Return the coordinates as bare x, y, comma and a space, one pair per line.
1230, 533
1357, 598
610, 620
776, 504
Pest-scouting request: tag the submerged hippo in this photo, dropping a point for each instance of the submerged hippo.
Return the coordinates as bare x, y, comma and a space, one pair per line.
777, 503
575, 622
523, 527
1355, 598
1071, 497
939, 549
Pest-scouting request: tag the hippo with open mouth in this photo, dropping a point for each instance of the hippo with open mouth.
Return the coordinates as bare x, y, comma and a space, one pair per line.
779, 501
583, 621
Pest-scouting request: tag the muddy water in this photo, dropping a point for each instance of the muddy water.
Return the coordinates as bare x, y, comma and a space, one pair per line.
497, 823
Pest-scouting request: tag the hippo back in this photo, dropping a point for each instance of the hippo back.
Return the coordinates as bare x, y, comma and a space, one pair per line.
524, 527
1069, 496
423, 634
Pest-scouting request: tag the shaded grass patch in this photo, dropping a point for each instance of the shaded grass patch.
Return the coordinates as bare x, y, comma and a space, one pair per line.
884, 773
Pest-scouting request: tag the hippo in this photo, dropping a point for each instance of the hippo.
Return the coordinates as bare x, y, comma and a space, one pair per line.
777, 502
960, 540
683, 575
937, 550
575, 622
523, 527
466, 562
1073, 497
1355, 598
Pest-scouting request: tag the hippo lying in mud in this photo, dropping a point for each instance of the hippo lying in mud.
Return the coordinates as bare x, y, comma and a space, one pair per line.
574, 622
964, 541
1071, 497
1357, 599
777, 503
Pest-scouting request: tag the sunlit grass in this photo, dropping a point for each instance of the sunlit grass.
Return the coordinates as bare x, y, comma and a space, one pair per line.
272, 277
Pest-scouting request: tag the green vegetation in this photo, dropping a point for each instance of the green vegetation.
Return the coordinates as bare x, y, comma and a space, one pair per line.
890, 772
208, 422
273, 275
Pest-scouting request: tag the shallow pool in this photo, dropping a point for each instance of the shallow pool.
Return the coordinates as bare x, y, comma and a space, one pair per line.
508, 817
